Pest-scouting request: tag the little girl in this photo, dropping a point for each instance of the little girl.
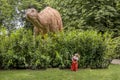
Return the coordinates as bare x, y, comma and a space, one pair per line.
74, 65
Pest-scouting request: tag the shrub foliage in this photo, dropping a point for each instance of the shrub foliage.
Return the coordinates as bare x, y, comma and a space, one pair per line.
22, 50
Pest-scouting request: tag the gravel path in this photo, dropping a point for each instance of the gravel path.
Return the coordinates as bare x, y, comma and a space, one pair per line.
115, 61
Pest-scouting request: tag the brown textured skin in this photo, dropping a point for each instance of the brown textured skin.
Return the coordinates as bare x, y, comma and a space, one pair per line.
48, 20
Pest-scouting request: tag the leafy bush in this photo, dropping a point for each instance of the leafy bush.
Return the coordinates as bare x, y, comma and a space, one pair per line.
89, 44
39, 61
117, 47
22, 50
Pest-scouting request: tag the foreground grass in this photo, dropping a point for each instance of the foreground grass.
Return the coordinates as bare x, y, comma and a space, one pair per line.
112, 73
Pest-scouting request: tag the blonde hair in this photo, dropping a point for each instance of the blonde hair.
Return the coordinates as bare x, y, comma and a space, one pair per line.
77, 55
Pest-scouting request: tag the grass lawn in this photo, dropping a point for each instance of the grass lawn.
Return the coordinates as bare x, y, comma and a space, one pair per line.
112, 73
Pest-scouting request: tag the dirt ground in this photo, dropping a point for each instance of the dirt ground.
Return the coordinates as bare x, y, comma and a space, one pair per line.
115, 61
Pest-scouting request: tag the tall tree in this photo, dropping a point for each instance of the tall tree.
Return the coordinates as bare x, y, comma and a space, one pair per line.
12, 12
103, 15
6, 11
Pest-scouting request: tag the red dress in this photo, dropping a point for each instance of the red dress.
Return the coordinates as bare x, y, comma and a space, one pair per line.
74, 65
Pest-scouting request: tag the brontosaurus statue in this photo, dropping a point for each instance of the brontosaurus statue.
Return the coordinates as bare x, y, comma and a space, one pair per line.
47, 20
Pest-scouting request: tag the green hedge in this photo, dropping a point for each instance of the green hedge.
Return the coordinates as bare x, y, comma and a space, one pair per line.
22, 50
116, 42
